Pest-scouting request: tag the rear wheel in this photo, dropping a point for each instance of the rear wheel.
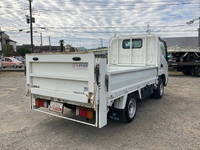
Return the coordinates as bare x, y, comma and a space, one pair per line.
187, 72
197, 71
159, 91
129, 111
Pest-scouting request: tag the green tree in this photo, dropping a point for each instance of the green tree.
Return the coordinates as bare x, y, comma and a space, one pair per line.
23, 51
8, 50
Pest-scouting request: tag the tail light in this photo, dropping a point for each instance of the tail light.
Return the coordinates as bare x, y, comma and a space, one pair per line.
84, 112
41, 103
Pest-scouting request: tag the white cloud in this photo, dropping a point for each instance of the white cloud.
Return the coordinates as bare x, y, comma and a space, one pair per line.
90, 16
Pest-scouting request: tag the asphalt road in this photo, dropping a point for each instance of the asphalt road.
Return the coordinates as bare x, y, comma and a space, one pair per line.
172, 123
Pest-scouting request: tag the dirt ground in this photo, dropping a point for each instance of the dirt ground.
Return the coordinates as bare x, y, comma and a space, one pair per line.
172, 123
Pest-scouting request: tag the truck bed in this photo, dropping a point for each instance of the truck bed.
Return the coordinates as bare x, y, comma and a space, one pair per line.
123, 79
62, 78
114, 69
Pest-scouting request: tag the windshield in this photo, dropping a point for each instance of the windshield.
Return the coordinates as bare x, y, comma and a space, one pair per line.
14, 59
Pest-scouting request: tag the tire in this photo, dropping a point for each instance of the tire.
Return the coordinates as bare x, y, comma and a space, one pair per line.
159, 91
187, 72
197, 71
130, 110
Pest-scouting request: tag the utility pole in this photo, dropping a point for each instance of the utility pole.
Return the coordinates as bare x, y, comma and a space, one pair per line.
1, 43
31, 25
41, 39
199, 33
101, 41
191, 22
148, 29
49, 43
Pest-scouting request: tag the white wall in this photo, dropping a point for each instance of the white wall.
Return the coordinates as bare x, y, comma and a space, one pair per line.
13, 45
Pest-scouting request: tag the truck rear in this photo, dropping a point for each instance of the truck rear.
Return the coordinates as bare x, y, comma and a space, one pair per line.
58, 81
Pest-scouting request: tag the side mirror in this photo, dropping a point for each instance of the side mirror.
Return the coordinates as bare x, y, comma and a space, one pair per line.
167, 56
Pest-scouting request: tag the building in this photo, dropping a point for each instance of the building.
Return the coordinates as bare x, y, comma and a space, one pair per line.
47, 48
5, 40
13, 44
182, 43
39, 49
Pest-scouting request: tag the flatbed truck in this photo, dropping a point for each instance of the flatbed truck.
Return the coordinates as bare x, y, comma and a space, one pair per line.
87, 89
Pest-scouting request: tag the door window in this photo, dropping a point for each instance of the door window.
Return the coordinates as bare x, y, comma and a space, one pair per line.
136, 43
126, 44
8, 60
162, 48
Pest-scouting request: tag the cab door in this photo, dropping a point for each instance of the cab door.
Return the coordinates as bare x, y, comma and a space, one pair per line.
163, 69
125, 51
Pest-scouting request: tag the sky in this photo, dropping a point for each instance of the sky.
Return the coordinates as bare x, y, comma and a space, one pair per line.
91, 23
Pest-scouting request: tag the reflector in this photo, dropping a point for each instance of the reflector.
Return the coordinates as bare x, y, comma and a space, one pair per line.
41, 103
87, 113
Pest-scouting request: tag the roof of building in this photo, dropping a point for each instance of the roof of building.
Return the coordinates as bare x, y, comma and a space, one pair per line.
11, 41
81, 48
184, 42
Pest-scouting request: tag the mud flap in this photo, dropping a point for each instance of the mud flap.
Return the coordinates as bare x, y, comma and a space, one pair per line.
117, 114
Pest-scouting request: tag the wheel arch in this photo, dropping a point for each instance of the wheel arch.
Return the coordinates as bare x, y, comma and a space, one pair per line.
163, 77
136, 94
121, 102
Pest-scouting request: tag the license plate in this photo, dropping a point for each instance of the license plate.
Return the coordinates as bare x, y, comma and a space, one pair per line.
57, 107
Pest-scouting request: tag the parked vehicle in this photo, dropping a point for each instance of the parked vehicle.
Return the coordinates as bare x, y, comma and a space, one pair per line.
20, 58
185, 60
94, 89
9, 62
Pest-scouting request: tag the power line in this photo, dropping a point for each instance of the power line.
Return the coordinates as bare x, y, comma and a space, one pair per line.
89, 10
120, 31
122, 26
52, 29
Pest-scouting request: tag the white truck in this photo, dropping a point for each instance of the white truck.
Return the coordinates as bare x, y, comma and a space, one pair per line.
84, 88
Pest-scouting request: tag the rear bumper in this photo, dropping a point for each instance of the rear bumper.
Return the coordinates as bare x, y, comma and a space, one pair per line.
68, 113
67, 118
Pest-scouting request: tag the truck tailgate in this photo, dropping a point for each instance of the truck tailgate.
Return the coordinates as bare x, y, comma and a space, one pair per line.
68, 77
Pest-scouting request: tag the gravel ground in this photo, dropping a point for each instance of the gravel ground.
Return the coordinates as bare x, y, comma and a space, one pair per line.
170, 123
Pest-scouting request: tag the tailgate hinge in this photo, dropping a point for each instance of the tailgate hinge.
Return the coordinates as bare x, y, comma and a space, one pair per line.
97, 73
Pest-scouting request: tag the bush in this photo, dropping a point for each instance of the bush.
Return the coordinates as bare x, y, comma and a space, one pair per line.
23, 51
